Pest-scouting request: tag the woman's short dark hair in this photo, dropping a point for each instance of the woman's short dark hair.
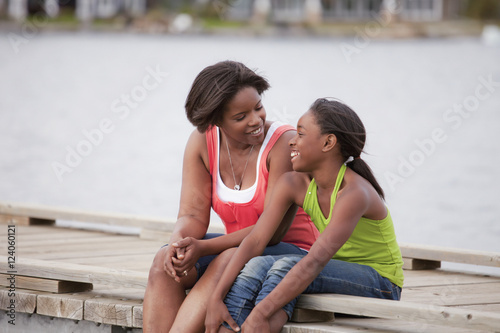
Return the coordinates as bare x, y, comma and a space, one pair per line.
214, 87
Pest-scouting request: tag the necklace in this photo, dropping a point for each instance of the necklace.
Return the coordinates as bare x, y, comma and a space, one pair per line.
237, 186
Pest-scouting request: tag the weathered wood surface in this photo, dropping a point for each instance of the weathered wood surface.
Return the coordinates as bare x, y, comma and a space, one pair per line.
49, 285
78, 273
419, 312
18, 213
438, 253
113, 262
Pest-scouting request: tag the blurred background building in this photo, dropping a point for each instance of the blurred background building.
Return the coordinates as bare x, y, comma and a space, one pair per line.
254, 12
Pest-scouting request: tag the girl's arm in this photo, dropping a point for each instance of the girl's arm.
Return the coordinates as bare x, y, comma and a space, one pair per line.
349, 208
283, 196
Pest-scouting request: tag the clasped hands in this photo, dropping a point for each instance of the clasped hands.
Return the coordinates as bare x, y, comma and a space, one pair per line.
181, 256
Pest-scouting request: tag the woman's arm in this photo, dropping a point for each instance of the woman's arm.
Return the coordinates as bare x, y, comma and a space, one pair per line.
349, 208
195, 202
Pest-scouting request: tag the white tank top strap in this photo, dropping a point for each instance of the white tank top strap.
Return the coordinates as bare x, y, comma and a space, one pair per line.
242, 196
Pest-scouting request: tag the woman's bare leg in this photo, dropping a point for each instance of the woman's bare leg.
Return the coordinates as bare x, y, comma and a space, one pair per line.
163, 296
191, 315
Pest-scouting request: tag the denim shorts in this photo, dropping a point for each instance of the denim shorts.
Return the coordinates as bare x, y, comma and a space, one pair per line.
262, 274
278, 249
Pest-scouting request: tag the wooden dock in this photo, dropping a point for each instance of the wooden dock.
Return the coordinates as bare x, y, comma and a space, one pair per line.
74, 280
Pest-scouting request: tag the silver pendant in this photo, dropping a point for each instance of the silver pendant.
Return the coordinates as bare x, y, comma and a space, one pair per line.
237, 187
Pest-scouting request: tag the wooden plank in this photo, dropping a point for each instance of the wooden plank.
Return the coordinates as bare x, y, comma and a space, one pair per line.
57, 244
61, 306
311, 316
110, 311
48, 285
164, 236
15, 220
356, 324
62, 213
153, 234
443, 278
24, 220
137, 316
438, 253
428, 313
483, 307
454, 294
419, 264
117, 259
54, 256
132, 262
77, 273
21, 301
69, 214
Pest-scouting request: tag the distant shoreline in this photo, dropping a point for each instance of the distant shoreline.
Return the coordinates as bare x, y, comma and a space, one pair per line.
362, 29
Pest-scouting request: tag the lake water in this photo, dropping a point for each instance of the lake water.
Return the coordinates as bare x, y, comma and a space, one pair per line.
431, 108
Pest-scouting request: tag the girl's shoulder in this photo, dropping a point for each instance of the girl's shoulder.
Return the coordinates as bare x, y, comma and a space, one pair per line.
354, 184
360, 189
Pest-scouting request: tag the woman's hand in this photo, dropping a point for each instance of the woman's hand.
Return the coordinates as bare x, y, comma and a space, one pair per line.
171, 254
188, 250
217, 313
256, 323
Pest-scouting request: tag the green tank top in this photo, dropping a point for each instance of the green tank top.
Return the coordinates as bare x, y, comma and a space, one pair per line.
372, 243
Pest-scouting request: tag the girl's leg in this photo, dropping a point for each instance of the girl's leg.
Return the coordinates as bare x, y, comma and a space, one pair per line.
163, 296
337, 277
347, 278
240, 300
191, 315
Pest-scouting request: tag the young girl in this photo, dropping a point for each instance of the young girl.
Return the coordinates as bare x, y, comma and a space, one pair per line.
338, 190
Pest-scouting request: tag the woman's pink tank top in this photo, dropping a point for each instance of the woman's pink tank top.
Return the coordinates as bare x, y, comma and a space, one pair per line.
236, 216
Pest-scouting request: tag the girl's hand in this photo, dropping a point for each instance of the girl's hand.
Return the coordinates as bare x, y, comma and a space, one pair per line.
256, 323
217, 314
188, 252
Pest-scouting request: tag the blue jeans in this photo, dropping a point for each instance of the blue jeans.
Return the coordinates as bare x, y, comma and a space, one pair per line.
278, 249
262, 274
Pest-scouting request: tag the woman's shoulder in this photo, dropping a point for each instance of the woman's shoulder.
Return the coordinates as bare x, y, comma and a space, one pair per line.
296, 183
197, 139
196, 147
283, 132
278, 126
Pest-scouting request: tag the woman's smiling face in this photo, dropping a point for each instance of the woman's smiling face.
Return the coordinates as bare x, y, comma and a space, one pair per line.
244, 117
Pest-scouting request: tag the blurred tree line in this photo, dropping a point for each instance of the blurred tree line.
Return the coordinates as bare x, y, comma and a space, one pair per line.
483, 9
475, 9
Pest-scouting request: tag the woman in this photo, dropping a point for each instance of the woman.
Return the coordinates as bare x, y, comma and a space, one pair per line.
356, 253
230, 161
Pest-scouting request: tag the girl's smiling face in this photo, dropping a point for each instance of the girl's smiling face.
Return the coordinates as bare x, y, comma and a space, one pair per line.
306, 146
